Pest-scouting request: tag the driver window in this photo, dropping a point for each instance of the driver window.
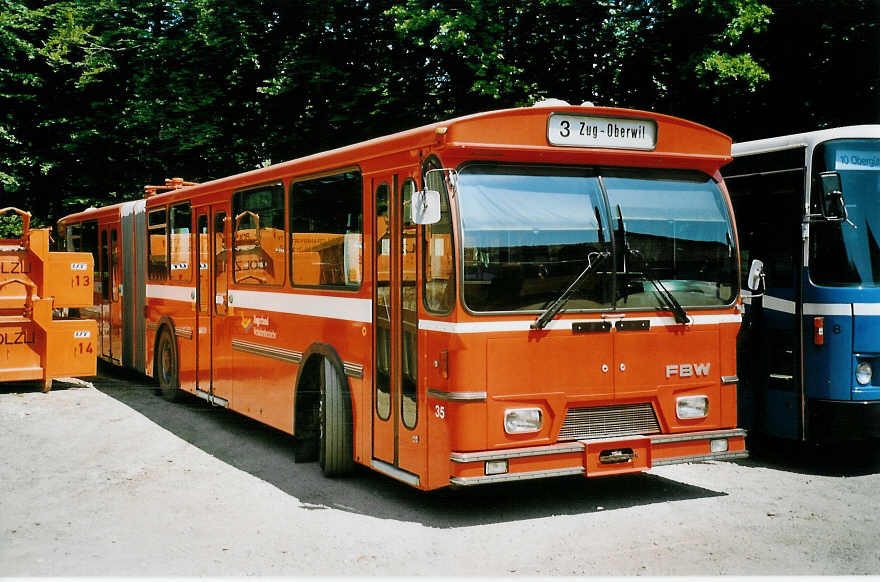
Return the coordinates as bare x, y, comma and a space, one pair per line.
439, 269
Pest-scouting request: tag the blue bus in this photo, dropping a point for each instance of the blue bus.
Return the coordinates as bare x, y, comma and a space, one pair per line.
808, 207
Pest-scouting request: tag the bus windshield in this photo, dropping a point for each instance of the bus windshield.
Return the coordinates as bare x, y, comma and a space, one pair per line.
842, 254
528, 232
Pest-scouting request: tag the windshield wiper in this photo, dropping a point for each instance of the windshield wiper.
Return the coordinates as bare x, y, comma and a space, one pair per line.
678, 311
665, 296
593, 260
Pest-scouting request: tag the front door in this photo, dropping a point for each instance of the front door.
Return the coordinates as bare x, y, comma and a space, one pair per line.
398, 434
768, 210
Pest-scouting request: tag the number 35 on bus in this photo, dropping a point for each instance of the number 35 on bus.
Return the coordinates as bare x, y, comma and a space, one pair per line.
510, 295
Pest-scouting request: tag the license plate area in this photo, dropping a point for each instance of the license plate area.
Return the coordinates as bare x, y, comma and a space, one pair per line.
617, 456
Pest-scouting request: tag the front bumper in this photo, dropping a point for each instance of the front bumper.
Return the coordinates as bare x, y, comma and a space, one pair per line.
596, 457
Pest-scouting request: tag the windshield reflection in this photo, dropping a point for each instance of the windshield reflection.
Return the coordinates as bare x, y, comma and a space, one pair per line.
528, 232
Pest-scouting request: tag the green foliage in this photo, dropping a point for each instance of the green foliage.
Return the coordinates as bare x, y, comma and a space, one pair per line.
723, 67
10, 227
99, 97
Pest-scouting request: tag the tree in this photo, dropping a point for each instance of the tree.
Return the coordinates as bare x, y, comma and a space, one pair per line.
99, 97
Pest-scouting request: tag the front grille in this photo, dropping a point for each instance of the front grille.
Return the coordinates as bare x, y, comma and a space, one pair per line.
609, 421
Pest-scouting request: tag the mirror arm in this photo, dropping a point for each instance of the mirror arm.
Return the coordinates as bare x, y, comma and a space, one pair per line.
817, 218
845, 217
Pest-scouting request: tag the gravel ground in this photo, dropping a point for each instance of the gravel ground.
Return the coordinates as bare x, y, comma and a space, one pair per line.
106, 478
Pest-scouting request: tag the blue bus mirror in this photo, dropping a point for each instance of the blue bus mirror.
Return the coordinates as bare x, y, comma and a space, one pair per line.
833, 206
425, 207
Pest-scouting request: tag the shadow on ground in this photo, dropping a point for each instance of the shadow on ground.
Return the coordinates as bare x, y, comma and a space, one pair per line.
267, 454
844, 459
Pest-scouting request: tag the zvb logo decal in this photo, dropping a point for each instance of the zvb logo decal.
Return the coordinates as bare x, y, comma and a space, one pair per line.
687, 370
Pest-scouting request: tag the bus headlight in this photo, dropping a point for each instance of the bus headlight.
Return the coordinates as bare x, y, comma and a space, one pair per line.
522, 420
864, 372
692, 407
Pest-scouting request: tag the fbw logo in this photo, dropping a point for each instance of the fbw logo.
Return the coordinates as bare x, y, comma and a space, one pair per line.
687, 370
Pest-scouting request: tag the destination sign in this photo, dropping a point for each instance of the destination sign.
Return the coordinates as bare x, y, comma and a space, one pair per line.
851, 159
590, 131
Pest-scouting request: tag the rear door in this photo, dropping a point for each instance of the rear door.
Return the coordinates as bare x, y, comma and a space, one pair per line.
204, 299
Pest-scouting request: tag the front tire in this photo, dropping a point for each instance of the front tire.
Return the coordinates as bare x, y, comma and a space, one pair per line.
166, 367
335, 452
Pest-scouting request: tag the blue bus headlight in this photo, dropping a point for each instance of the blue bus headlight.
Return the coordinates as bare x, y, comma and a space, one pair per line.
864, 372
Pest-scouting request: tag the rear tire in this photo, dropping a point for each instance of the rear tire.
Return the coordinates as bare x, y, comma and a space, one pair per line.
335, 452
166, 367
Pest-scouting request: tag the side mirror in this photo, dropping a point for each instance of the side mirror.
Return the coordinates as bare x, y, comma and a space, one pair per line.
425, 207
755, 280
833, 206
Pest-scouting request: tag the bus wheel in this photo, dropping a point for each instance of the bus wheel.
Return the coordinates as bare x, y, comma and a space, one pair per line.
166, 367
335, 453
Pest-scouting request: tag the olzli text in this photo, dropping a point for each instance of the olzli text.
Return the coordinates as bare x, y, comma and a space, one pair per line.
16, 337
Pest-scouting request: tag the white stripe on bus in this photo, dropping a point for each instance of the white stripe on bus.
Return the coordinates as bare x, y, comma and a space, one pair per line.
361, 310
866, 308
347, 308
170, 292
828, 309
525, 325
840, 309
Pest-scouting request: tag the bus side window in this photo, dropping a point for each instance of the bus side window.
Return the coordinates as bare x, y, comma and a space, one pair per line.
326, 231
157, 252
258, 236
180, 242
74, 237
438, 283
115, 274
105, 268
89, 243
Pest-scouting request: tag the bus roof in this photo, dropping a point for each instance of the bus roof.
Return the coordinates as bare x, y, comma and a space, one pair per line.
808, 139
112, 211
493, 133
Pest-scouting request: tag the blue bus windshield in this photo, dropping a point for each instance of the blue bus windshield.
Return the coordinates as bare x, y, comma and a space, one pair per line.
842, 254
527, 232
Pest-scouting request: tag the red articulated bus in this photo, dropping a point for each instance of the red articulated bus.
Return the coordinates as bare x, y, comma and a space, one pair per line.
510, 295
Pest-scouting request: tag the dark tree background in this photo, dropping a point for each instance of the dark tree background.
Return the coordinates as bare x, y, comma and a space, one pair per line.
99, 97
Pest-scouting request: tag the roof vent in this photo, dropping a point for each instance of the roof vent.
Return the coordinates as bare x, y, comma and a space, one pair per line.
588, 104
551, 102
